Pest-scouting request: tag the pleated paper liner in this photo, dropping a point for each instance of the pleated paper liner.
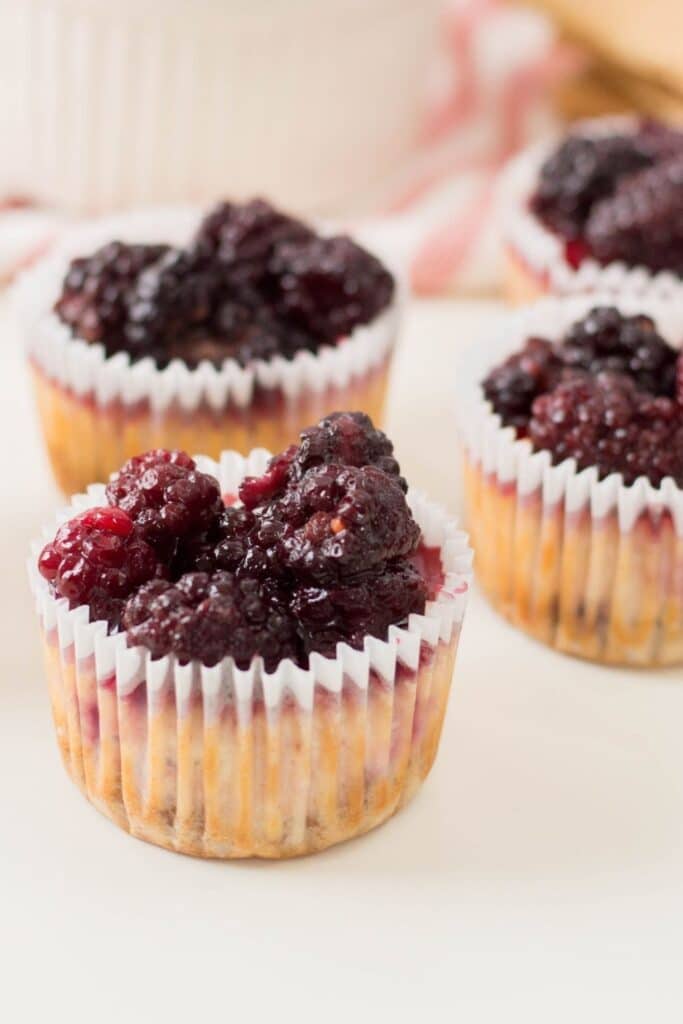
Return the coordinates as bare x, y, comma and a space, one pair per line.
110, 103
535, 260
97, 411
591, 567
223, 762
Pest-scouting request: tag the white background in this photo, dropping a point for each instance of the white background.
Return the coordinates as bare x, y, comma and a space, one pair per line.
538, 876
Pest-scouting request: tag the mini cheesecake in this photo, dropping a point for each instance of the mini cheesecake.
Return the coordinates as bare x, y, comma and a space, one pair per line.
600, 211
168, 329
253, 658
574, 479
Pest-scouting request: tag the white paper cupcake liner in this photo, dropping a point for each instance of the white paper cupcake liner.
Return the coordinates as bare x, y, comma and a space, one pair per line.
85, 369
108, 104
543, 253
592, 566
391, 695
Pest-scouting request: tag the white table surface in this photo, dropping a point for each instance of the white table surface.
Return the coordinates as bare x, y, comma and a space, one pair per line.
539, 872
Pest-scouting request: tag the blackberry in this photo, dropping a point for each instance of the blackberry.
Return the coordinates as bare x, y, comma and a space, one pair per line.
340, 520
207, 617
642, 223
318, 553
224, 545
247, 334
328, 286
348, 438
257, 490
605, 421
167, 497
580, 172
170, 299
241, 238
605, 339
98, 559
365, 605
236, 292
96, 291
237, 331
512, 386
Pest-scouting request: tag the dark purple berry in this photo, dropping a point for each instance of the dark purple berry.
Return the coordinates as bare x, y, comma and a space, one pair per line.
207, 617
365, 605
339, 520
256, 490
170, 300
241, 237
580, 172
328, 286
224, 545
642, 223
347, 438
236, 292
512, 386
609, 394
98, 559
605, 339
96, 291
319, 553
605, 421
167, 497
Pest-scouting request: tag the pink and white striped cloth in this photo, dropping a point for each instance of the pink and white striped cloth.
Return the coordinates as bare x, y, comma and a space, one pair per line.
26, 232
439, 214
491, 99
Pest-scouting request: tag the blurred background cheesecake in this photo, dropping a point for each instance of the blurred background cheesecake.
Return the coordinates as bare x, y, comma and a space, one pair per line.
395, 115
107, 104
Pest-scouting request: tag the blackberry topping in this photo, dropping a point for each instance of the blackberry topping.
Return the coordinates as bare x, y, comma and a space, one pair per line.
170, 298
512, 387
98, 559
247, 333
582, 171
610, 394
255, 490
365, 605
97, 289
167, 497
349, 438
339, 520
617, 197
319, 552
334, 521
238, 332
225, 545
209, 617
642, 223
605, 421
242, 238
328, 286
607, 340
253, 284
